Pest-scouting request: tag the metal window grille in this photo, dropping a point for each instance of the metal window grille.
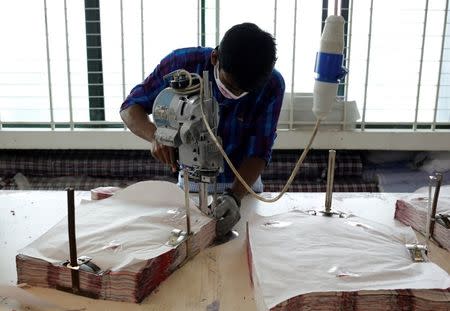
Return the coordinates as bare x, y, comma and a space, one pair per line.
211, 10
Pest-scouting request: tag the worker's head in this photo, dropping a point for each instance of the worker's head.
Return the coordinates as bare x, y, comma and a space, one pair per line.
246, 57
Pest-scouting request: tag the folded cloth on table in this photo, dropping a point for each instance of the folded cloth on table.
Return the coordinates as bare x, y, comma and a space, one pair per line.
126, 236
302, 262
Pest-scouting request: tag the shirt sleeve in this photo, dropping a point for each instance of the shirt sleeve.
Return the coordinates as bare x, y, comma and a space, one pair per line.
264, 128
145, 93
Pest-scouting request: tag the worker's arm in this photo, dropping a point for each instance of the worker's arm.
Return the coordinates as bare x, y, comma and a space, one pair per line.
228, 205
137, 120
250, 170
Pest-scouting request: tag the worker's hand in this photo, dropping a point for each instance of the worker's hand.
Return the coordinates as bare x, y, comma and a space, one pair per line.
227, 213
165, 154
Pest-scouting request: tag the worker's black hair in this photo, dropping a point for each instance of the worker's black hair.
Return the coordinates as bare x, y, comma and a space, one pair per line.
248, 54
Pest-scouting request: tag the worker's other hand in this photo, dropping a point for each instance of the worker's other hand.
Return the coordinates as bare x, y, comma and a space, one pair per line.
227, 213
165, 154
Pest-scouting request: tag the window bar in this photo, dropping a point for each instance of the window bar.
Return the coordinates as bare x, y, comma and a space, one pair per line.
336, 6
348, 16
49, 75
275, 8
217, 22
142, 40
369, 41
438, 87
68, 67
94, 60
388, 125
349, 45
62, 123
419, 83
123, 56
202, 23
324, 14
291, 111
122, 47
198, 22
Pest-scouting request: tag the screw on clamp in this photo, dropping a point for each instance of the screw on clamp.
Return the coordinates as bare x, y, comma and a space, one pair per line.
418, 252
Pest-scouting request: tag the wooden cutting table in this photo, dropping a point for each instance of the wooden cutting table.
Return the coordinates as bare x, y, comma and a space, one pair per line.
216, 279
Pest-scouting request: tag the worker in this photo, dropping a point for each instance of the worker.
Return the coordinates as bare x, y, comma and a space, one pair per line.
249, 92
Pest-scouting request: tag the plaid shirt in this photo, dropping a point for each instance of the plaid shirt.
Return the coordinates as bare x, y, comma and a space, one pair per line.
247, 125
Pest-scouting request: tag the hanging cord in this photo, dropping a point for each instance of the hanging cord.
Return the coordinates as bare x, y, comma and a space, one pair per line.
194, 88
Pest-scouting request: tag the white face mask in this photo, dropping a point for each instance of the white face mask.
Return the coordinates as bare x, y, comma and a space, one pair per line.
222, 88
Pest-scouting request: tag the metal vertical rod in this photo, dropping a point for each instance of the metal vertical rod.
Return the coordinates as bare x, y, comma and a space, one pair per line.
69, 84
428, 220
186, 202
275, 8
203, 196
217, 22
369, 42
419, 83
438, 87
142, 40
206, 86
438, 182
213, 204
291, 112
336, 6
330, 180
49, 75
72, 240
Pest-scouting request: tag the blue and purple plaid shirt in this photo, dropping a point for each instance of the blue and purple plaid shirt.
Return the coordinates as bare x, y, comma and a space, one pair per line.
247, 125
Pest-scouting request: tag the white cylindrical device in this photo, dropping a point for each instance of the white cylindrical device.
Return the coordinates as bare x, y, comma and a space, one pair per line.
329, 66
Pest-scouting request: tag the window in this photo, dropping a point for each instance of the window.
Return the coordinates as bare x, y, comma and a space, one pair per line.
73, 62
403, 42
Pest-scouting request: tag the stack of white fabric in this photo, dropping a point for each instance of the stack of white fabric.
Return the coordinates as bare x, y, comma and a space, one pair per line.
304, 262
412, 210
126, 236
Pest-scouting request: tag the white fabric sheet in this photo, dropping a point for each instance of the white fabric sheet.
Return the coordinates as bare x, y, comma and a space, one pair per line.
123, 231
295, 253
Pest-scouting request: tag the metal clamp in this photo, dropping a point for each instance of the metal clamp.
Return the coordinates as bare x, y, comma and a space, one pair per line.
73, 268
177, 237
84, 263
327, 213
418, 252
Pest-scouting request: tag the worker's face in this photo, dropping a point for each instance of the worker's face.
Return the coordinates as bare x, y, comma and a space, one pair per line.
225, 77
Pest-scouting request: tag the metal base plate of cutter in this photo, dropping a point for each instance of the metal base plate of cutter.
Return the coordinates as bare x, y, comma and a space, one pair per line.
328, 213
226, 238
177, 237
